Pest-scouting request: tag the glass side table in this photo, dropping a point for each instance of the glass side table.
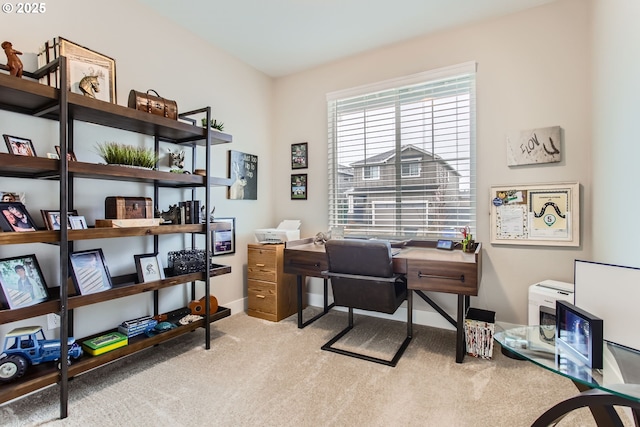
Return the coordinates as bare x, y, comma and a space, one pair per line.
616, 384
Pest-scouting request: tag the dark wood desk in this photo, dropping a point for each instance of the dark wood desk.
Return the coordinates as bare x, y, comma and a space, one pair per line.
427, 269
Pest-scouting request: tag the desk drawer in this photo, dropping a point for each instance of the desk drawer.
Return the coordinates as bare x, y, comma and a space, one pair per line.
261, 264
305, 263
452, 277
261, 296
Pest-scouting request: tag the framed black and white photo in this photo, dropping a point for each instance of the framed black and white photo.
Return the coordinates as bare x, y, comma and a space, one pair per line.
299, 187
19, 146
223, 236
149, 267
52, 219
88, 69
89, 271
15, 217
299, 156
77, 222
21, 282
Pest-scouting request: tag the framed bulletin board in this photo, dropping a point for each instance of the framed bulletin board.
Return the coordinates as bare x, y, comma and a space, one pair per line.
539, 214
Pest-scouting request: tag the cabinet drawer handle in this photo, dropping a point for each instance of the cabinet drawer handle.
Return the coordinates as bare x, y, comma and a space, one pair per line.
433, 276
259, 265
260, 296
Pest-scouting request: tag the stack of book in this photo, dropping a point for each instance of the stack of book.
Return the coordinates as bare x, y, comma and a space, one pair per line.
189, 212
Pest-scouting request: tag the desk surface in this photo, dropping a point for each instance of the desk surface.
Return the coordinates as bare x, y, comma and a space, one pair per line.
620, 374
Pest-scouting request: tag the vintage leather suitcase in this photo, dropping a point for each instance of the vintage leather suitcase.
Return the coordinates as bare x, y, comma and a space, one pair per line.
118, 207
156, 105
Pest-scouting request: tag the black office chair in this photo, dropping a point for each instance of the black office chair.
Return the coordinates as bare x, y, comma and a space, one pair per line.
362, 277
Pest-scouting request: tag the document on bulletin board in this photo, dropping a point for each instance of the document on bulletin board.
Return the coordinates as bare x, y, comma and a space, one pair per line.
543, 214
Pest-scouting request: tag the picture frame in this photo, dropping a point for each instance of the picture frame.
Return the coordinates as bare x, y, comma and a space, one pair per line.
243, 172
536, 214
580, 334
21, 282
149, 267
89, 271
299, 155
15, 217
71, 157
12, 196
19, 146
223, 236
87, 66
77, 222
52, 218
299, 186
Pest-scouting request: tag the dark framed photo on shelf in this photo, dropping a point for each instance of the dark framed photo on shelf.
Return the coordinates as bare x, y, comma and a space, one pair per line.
52, 219
22, 282
15, 217
223, 236
19, 146
299, 156
89, 271
299, 187
88, 68
149, 267
71, 157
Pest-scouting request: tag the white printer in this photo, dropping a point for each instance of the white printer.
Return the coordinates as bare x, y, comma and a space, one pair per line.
287, 230
542, 300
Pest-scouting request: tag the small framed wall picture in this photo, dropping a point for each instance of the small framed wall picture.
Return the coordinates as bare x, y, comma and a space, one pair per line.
223, 236
149, 267
299, 186
14, 217
299, 156
19, 146
21, 282
89, 271
7, 197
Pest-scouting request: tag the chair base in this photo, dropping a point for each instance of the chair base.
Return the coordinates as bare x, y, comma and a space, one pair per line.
393, 362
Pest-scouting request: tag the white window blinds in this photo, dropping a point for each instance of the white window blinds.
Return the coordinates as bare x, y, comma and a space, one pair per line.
402, 156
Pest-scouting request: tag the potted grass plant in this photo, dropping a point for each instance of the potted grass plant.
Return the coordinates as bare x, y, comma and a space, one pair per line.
115, 153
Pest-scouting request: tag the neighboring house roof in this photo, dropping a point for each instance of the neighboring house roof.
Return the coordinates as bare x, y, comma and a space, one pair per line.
345, 170
389, 156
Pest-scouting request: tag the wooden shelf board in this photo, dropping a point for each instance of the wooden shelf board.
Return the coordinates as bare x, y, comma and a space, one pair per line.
40, 376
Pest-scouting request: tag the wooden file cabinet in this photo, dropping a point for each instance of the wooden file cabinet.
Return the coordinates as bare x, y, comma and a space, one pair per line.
271, 292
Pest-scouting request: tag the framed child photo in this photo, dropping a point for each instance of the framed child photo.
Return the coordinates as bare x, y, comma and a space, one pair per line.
19, 146
299, 187
89, 271
21, 282
14, 217
149, 267
223, 236
299, 159
8, 197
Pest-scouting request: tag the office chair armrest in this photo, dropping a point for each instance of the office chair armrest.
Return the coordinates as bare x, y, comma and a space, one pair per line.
393, 278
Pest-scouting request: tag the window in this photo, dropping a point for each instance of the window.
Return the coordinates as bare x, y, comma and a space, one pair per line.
371, 172
402, 156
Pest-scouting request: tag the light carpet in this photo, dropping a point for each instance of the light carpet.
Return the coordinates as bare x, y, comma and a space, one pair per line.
261, 373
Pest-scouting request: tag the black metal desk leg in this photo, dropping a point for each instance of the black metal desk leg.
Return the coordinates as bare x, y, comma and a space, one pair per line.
326, 295
460, 342
326, 308
409, 313
299, 295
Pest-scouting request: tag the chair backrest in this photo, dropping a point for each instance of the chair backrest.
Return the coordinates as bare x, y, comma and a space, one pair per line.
362, 257
372, 286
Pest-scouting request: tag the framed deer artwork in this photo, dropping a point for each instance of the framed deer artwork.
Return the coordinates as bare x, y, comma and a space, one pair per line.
243, 172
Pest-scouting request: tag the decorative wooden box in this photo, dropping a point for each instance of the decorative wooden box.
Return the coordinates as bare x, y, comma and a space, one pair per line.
118, 207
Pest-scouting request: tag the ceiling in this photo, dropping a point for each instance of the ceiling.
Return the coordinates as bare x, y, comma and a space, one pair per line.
281, 37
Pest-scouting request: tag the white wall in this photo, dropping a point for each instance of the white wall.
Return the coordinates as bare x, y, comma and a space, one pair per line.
533, 71
615, 137
150, 52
